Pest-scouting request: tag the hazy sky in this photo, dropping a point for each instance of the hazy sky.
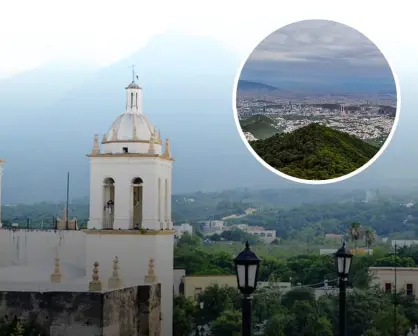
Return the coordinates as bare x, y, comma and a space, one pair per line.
313, 51
99, 33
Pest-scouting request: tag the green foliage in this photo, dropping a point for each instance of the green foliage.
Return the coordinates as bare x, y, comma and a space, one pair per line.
227, 324
217, 299
315, 152
184, 311
238, 235
260, 126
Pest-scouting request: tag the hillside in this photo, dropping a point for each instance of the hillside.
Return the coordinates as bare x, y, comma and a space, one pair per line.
259, 125
254, 86
315, 152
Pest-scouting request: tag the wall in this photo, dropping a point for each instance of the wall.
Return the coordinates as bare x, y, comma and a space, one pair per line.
191, 283
83, 248
1, 177
404, 275
123, 312
178, 275
24, 247
134, 251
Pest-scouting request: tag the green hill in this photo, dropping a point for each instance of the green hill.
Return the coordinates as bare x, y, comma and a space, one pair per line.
259, 125
315, 152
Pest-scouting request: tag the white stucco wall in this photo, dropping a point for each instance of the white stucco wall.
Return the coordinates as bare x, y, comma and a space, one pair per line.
25, 247
28, 257
1, 177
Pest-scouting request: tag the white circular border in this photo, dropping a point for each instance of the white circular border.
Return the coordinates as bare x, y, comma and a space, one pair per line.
316, 182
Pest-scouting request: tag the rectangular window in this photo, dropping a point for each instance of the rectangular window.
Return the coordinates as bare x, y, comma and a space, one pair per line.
388, 287
409, 289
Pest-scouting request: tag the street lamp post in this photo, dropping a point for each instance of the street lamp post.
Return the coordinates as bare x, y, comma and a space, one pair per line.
343, 259
246, 267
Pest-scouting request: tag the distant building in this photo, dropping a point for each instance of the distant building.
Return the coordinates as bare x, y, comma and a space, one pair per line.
212, 227
404, 243
333, 236
179, 230
327, 251
285, 286
267, 236
358, 251
196, 284
406, 279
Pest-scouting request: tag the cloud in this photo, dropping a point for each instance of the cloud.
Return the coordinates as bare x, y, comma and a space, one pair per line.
318, 48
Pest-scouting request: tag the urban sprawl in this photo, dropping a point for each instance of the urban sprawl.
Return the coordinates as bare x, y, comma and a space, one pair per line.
365, 119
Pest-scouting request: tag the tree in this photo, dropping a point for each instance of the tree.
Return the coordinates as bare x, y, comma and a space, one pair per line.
277, 324
304, 294
227, 324
215, 237
184, 311
266, 303
217, 299
190, 240
354, 231
384, 323
18, 330
369, 238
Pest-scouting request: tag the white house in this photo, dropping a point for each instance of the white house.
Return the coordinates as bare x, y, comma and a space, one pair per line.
181, 229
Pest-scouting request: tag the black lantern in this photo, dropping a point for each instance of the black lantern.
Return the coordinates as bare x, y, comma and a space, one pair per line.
246, 267
343, 261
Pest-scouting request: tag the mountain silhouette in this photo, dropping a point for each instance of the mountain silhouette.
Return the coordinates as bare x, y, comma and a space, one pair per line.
49, 116
244, 85
315, 152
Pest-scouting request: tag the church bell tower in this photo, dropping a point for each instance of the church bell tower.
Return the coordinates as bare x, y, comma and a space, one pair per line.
130, 173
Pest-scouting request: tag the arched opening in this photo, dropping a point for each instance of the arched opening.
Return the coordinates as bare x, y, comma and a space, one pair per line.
109, 203
137, 199
159, 200
166, 200
132, 100
136, 100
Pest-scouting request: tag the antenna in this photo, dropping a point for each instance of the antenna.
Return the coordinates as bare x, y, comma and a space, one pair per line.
133, 72
68, 197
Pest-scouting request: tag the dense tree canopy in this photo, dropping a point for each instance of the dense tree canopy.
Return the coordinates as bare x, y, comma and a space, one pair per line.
315, 152
299, 311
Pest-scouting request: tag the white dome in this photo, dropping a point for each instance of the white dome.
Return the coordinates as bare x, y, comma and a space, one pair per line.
130, 126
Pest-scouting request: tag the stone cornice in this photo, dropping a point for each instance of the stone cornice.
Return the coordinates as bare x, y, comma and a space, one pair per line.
133, 155
129, 232
157, 142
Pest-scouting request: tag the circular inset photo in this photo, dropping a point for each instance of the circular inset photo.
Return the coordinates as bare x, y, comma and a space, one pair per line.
316, 102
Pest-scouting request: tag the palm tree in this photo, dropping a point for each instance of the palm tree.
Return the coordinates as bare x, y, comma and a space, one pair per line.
354, 231
369, 238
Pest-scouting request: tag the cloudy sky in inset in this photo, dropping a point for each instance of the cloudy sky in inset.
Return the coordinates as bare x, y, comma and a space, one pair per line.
317, 52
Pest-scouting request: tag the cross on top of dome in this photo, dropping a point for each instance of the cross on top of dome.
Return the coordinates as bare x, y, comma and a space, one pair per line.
133, 84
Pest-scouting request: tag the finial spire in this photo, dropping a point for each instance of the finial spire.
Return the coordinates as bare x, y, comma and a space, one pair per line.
133, 72
96, 146
167, 151
115, 281
151, 276
95, 284
56, 275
